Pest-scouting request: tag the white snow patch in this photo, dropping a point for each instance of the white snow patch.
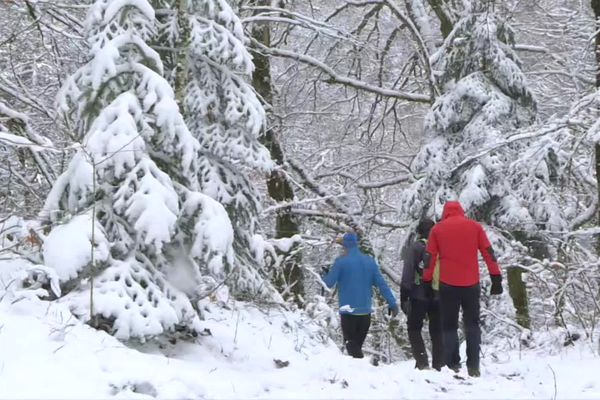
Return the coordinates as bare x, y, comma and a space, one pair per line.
346, 308
67, 248
236, 360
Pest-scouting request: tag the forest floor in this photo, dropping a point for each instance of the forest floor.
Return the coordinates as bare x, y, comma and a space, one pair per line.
46, 353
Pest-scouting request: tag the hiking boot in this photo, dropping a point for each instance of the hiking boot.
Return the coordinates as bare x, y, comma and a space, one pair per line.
421, 366
358, 354
455, 368
421, 361
353, 350
474, 372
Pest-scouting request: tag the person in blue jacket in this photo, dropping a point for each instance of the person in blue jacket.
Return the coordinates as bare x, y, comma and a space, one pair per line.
355, 273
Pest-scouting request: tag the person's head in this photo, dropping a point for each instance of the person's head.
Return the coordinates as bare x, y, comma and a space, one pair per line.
424, 227
349, 241
453, 209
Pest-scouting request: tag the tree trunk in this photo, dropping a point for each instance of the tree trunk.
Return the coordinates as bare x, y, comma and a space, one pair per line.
596, 9
516, 287
279, 187
518, 293
181, 57
442, 14
514, 275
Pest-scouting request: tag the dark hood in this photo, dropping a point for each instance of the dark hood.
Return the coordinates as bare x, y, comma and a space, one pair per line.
424, 227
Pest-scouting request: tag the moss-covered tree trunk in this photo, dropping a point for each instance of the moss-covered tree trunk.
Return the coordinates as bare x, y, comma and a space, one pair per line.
514, 276
518, 294
279, 187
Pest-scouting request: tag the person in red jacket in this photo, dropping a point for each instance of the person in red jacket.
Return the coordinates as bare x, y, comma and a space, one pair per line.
455, 242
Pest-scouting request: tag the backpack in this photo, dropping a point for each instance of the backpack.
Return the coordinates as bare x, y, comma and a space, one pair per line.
435, 284
420, 266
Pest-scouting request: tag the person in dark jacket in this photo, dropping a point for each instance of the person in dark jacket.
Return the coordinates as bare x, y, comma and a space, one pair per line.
453, 246
417, 301
355, 274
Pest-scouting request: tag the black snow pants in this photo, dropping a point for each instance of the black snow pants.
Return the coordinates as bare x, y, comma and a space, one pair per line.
452, 298
418, 310
354, 330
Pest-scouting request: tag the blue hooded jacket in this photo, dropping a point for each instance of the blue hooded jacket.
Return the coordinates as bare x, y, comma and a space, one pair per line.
355, 274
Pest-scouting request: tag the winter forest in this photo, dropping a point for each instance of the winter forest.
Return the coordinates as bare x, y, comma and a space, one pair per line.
174, 175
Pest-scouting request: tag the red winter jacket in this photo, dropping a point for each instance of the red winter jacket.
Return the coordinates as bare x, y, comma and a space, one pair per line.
456, 240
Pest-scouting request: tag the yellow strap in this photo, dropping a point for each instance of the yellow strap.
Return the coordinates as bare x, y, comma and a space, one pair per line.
435, 284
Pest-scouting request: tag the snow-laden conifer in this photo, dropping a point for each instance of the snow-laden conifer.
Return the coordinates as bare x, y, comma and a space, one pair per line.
204, 48
485, 99
140, 179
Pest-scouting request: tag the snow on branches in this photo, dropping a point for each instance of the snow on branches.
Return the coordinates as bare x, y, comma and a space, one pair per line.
221, 110
485, 97
156, 192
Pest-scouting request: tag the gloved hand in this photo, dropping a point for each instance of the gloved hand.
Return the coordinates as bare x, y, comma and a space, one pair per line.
393, 311
404, 300
496, 285
430, 294
404, 294
405, 306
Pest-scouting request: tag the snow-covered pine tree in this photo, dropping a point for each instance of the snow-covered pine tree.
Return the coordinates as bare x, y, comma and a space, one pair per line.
140, 229
481, 141
485, 98
484, 149
206, 60
483, 146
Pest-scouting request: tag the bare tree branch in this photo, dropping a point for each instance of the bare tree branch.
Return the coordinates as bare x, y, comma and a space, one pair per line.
335, 78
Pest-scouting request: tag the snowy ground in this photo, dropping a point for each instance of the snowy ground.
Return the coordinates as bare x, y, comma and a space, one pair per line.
46, 353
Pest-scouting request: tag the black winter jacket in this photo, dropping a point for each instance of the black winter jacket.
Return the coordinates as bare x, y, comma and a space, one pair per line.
415, 260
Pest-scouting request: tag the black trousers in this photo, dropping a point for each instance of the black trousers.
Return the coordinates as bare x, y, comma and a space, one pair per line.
452, 299
354, 330
419, 309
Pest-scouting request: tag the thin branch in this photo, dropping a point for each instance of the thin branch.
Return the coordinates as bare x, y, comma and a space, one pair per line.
424, 55
339, 79
512, 139
284, 205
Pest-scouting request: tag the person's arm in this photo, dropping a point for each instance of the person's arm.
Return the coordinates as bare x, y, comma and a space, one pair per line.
486, 250
408, 272
432, 254
384, 288
485, 247
332, 277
